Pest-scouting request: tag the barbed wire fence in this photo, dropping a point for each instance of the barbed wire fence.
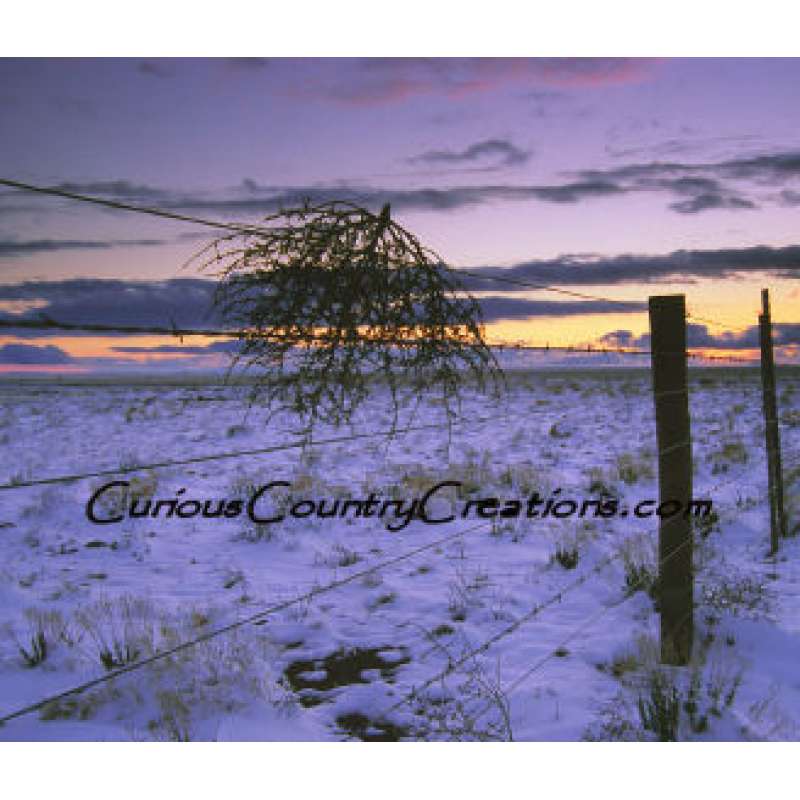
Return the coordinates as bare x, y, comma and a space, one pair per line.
663, 398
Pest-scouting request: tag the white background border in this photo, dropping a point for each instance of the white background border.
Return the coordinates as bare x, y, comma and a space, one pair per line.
223, 771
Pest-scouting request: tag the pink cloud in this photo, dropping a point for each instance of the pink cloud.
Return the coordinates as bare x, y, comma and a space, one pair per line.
388, 80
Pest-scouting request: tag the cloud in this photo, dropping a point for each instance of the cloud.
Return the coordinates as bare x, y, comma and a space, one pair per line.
619, 338
700, 184
708, 200
790, 198
188, 303
567, 270
254, 199
192, 350
777, 166
500, 151
677, 146
266, 200
122, 189
573, 192
183, 302
496, 308
377, 81
785, 333
11, 248
16, 201
769, 167
33, 354
696, 192
690, 188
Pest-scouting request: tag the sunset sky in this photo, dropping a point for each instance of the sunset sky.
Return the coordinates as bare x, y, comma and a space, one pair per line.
617, 177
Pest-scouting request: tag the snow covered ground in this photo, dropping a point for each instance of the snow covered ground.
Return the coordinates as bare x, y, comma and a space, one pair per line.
79, 599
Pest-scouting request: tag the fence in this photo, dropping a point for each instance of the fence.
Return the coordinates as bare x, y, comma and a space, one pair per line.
669, 356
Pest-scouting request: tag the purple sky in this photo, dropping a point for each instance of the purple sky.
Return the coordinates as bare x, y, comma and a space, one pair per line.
589, 173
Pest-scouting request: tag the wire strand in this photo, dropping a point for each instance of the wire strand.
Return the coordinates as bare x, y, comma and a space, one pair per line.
46, 323
249, 620
138, 209
257, 230
233, 454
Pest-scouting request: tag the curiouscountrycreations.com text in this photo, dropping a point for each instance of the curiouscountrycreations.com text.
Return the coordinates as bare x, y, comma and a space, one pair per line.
272, 503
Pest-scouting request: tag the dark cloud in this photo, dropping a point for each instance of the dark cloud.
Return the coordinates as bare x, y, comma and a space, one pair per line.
700, 336
782, 262
573, 192
709, 200
11, 248
700, 184
690, 188
769, 167
188, 303
700, 194
696, 192
678, 146
189, 350
182, 302
500, 151
254, 199
19, 202
497, 308
121, 189
33, 354
790, 198
620, 338
267, 200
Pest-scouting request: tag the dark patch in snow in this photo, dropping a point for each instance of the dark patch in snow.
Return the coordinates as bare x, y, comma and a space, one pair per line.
362, 727
343, 667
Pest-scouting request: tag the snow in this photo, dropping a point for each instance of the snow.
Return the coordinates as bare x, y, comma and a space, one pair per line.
130, 588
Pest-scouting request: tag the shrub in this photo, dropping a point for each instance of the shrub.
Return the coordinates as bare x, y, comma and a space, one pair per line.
353, 269
659, 708
731, 452
122, 629
118, 655
668, 704
738, 594
567, 557
640, 563
36, 652
705, 524
600, 484
631, 468
118, 499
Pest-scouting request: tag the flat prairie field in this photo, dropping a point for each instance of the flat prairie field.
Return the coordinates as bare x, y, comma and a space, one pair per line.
213, 576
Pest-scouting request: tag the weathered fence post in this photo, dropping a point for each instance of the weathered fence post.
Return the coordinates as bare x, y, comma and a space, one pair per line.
777, 518
673, 434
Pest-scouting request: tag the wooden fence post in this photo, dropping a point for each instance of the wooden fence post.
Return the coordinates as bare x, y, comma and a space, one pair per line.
777, 517
673, 434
